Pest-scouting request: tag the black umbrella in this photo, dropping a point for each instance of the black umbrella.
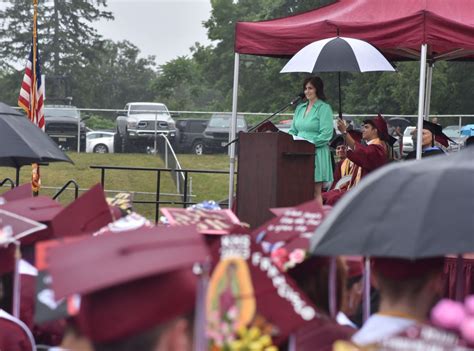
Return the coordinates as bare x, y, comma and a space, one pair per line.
411, 210
338, 54
22, 143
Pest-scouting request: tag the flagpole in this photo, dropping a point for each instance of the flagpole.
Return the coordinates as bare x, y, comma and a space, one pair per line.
35, 171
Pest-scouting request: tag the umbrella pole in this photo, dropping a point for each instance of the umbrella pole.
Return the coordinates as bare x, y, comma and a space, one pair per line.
16, 282
17, 176
333, 287
366, 289
340, 94
459, 279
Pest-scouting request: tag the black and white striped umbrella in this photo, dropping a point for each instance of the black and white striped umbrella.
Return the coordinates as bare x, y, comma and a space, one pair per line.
338, 54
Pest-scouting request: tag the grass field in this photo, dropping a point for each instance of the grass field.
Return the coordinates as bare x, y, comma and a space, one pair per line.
204, 186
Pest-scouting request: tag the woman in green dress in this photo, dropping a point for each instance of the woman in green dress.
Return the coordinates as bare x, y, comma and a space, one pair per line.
313, 121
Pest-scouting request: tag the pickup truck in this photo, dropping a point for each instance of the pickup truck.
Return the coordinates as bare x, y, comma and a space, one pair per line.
61, 124
139, 122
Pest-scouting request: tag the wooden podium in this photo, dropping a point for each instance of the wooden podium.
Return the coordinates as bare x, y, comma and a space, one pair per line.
273, 171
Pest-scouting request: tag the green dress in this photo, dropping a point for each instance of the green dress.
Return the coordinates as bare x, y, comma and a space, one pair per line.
316, 127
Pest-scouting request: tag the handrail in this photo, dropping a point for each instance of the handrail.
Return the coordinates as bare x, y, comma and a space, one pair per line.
12, 183
65, 186
158, 171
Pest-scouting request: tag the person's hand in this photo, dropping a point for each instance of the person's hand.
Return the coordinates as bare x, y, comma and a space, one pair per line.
342, 126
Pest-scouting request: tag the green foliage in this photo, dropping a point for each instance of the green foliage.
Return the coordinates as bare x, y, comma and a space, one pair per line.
105, 74
65, 34
98, 122
114, 77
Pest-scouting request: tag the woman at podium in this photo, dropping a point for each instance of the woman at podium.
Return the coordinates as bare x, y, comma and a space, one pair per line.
313, 122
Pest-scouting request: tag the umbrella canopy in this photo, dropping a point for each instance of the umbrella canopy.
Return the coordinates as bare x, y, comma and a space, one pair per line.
468, 130
22, 143
338, 54
412, 209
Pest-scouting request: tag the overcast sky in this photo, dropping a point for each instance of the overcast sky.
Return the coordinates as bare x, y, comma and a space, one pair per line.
164, 28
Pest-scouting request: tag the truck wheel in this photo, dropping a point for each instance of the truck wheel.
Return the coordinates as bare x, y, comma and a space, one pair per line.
125, 147
117, 143
198, 148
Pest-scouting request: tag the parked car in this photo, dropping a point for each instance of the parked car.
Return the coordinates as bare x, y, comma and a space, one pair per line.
454, 133
189, 135
101, 142
61, 124
408, 144
137, 123
216, 134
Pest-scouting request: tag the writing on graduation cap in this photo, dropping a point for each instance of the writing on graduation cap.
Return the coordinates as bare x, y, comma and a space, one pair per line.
285, 291
235, 246
294, 220
206, 221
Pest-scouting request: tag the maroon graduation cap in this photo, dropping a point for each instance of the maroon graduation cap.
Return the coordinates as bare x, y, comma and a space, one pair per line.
20, 192
286, 238
246, 291
40, 209
131, 281
214, 222
87, 214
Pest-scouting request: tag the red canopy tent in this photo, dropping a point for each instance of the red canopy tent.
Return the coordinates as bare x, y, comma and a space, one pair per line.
427, 30
396, 27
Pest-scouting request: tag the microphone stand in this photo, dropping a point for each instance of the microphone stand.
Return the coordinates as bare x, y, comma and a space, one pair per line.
291, 103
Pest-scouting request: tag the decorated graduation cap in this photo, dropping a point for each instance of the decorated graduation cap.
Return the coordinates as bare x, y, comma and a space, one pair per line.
249, 300
401, 269
437, 131
129, 282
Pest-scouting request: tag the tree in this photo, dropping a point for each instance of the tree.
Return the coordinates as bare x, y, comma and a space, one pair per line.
66, 38
65, 34
212, 65
116, 75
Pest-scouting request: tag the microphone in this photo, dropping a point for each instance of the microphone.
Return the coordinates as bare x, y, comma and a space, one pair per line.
297, 99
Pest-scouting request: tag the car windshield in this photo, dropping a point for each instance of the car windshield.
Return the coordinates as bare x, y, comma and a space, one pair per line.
452, 132
224, 122
61, 112
408, 131
139, 109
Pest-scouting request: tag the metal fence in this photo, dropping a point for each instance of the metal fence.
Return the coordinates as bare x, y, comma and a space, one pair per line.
158, 201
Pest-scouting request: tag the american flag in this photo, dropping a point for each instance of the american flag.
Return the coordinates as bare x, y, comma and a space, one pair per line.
32, 91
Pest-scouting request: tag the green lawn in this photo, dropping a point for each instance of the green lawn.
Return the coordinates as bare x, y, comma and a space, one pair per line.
204, 186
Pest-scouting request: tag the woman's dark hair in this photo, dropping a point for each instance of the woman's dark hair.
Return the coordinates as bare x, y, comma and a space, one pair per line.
318, 84
312, 276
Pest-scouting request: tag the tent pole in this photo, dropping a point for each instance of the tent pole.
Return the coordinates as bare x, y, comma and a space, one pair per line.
429, 79
340, 94
233, 128
421, 100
